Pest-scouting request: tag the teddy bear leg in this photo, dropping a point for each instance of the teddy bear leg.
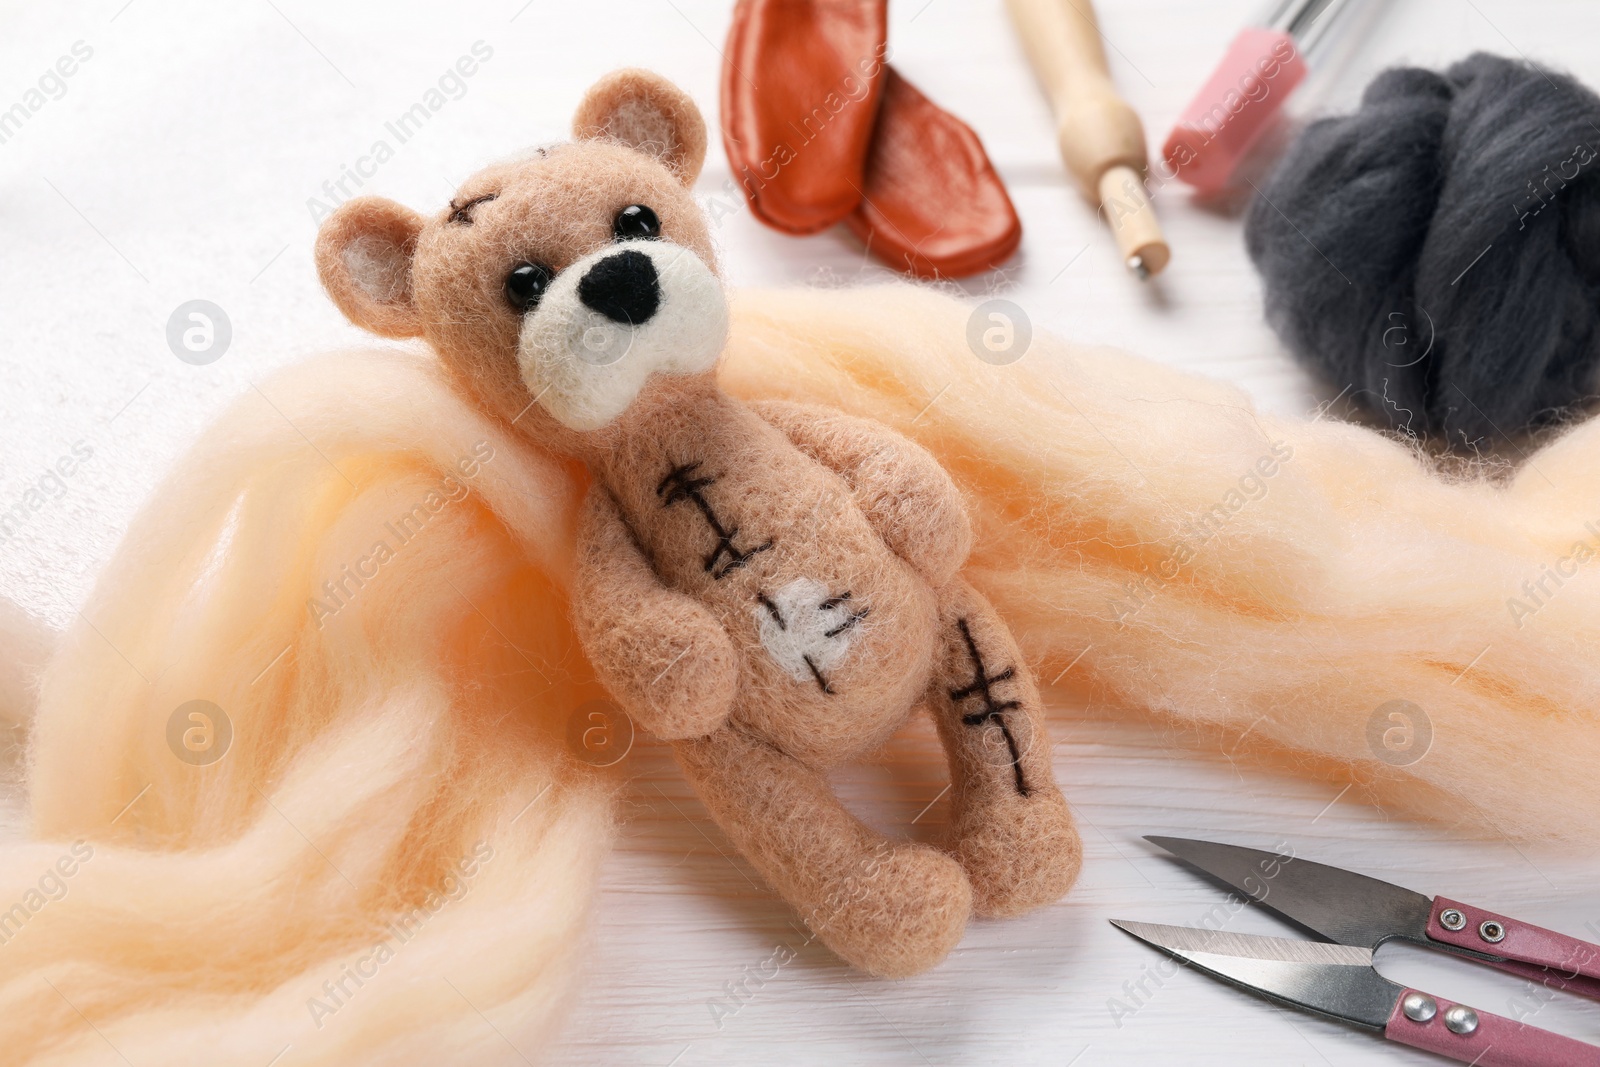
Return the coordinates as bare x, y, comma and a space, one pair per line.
890, 908
1011, 828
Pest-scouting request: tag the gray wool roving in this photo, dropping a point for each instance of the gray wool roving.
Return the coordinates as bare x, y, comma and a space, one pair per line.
1438, 251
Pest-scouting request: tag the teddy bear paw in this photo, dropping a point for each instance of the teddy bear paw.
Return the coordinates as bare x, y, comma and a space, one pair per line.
900, 914
1020, 856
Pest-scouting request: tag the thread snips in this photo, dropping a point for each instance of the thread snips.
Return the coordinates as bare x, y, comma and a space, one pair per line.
1354, 914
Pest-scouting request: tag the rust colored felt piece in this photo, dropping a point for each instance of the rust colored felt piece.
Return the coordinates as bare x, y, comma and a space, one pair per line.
800, 91
932, 204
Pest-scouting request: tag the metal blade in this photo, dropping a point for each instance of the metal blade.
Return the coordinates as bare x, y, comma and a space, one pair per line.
1333, 980
1340, 905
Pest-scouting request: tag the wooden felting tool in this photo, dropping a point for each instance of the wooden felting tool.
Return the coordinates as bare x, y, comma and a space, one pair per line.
1101, 137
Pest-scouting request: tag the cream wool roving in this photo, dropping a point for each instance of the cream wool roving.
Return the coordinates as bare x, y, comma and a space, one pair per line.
1227, 569
397, 805
389, 809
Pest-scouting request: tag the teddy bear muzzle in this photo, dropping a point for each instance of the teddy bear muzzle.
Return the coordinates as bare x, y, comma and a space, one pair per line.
613, 318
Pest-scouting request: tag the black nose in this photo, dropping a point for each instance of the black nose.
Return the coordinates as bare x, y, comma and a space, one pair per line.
623, 287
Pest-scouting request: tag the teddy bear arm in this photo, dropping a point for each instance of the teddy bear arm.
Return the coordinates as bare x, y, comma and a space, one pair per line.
906, 495
662, 655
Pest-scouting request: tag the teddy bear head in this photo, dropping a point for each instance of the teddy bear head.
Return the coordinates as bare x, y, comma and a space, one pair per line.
571, 289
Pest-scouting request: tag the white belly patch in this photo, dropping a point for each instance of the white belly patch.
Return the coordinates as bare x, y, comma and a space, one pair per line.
808, 630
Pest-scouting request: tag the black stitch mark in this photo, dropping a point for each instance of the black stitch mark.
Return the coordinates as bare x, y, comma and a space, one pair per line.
680, 485
839, 602
823, 682
462, 212
855, 617
992, 709
772, 609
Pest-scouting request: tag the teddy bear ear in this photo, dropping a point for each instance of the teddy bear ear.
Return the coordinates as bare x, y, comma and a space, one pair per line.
644, 111
364, 254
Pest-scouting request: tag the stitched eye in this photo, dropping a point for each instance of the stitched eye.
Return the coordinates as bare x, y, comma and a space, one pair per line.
526, 284
636, 223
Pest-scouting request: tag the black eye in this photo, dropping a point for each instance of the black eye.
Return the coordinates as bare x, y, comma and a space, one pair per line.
636, 223
526, 284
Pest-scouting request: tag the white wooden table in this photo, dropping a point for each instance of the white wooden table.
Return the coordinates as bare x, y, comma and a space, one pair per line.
177, 163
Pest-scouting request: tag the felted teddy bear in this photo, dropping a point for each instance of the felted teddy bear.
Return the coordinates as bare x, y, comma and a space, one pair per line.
771, 587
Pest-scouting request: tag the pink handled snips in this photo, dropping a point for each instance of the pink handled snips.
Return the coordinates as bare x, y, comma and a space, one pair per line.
1359, 914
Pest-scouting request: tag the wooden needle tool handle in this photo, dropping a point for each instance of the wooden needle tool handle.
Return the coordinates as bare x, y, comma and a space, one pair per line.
1101, 137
